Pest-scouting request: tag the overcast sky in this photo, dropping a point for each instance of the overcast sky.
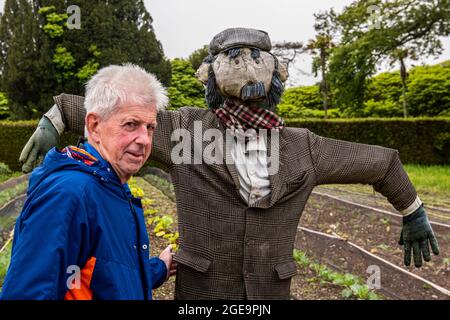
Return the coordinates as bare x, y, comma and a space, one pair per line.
183, 26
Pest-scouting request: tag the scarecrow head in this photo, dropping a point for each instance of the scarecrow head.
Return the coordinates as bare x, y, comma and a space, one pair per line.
240, 66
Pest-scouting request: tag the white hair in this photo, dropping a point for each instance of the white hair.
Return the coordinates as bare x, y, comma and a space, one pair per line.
115, 85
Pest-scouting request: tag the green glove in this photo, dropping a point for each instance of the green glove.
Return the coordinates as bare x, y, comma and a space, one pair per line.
43, 139
417, 235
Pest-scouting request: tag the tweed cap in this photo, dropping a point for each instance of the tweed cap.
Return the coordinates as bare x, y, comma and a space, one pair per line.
238, 37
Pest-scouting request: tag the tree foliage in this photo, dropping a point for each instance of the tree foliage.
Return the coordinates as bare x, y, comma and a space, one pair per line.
428, 90
42, 57
185, 88
196, 57
19, 56
304, 102
428, 93
407, 26
4, 106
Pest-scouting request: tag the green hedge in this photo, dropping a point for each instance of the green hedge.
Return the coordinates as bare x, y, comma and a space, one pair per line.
419, 140
14, 136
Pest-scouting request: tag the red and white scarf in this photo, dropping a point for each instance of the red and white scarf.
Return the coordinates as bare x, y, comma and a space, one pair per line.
243, 117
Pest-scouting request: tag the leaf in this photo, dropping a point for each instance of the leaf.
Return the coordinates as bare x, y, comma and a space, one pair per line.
346, 293
373, 296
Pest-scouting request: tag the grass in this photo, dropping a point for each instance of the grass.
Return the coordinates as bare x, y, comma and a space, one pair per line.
6, 173
433, 180
5, 257
432, 184
10, 193
165, 187
4, 177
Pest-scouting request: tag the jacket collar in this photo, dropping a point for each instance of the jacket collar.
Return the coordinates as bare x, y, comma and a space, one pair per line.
105, 171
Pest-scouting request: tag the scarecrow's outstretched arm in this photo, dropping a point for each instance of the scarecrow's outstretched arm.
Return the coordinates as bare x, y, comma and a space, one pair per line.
337, 161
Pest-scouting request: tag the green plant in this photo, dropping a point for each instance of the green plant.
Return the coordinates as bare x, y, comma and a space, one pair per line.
384, 247
162, 225
164, 186
301, 258
4, 169
10, 193
353, 286
4, 106
446, 261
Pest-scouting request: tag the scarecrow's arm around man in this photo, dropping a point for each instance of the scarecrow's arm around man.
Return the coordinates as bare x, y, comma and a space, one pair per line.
335, 161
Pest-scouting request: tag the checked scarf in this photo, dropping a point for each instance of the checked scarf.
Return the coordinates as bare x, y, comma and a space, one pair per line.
240, 117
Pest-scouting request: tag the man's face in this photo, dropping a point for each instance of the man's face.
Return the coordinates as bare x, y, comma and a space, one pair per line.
124, 138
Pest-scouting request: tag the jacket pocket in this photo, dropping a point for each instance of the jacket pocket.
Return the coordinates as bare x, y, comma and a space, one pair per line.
286, 270
192, 260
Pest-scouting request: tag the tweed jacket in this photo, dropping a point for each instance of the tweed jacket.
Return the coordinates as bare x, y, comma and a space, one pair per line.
230, 249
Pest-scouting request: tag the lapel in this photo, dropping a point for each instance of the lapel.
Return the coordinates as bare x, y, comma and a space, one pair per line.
227, 168
278, 176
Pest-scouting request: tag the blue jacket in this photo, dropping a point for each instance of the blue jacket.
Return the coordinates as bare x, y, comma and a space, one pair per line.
80, 235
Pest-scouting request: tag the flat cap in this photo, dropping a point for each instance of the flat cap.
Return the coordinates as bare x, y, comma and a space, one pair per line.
240, 37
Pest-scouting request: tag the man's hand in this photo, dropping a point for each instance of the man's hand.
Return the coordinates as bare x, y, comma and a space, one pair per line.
43, 139
417, 235
167, 256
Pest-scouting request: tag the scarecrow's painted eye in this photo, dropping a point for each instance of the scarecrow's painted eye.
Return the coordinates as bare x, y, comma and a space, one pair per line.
257, 61
236, 61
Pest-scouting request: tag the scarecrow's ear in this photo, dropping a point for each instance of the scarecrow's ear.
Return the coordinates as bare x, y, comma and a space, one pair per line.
284, 73
202, 73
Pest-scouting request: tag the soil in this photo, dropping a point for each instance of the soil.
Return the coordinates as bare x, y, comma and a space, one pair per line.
375, 232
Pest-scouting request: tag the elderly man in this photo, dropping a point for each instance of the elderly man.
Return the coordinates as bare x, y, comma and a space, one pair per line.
238, 214
81, 234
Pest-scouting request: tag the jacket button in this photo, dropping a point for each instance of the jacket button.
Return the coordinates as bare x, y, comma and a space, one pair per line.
144, 247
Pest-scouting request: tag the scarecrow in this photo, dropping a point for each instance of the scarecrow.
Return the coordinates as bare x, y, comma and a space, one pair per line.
238, 214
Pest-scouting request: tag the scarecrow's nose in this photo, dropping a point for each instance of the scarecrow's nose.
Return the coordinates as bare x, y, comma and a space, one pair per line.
251, 74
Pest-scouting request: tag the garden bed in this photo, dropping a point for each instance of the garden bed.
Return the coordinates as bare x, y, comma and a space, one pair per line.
376, 232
